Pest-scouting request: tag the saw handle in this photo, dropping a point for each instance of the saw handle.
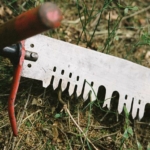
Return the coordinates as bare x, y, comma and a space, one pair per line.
39, 19
47, 16
14, 89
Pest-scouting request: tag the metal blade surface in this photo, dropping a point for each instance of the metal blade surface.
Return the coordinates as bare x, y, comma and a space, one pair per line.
75, 64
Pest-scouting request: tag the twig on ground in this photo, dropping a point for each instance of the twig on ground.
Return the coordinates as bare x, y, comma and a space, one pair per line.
104, 116
104, 127
31, 115
25, 106
69, 118
44, 93
16, 146
66, 109
2, 95
4, 125
106, 136
134, 129
66, 138
79, 131
73, 21
144, 123
136, 13
14, 141
59, 97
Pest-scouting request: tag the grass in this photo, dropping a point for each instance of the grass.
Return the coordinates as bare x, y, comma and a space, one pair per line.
62, 122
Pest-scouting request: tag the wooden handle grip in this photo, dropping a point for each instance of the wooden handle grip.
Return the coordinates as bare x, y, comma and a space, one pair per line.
39, 19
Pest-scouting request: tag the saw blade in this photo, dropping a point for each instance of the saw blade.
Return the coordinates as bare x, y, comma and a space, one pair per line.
86, 70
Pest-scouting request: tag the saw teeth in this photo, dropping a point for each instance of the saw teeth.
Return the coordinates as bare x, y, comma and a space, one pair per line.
107, 98
94, 92
79, 86
92, 89
46, 82
137, 108
126, 100
71, 89
79, 90
141, 112
74, 66
93, 97
63, 85
55, 82
87, 89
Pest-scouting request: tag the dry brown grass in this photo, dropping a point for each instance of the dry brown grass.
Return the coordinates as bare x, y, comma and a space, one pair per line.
51, 121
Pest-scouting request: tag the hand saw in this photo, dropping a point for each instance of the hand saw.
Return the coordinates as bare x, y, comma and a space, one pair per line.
84, 71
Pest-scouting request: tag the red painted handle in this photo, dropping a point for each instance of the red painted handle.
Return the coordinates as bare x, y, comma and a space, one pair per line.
47, 16
13, 92
34, 21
